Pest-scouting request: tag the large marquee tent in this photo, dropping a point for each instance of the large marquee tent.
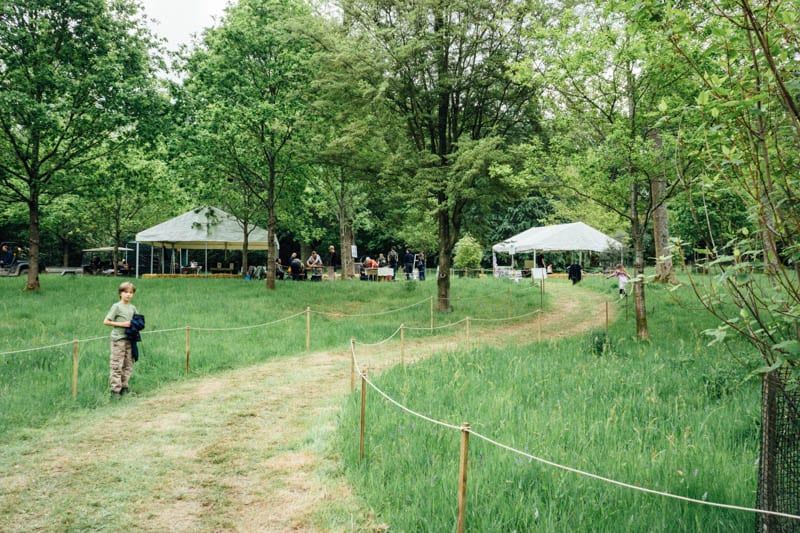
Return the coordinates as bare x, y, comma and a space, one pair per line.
204, 228
575, 236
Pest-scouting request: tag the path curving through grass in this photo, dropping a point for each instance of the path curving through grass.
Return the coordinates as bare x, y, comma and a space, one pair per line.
247, 450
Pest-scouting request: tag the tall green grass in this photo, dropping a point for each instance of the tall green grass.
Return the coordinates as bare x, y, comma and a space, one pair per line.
36, 386
671, 414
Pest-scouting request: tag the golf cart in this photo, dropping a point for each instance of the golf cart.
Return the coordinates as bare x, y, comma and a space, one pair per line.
13, 260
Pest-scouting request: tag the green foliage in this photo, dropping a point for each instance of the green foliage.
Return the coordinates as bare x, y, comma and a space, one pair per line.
77, 83
443, 70
743, 124
468, 253
247, 107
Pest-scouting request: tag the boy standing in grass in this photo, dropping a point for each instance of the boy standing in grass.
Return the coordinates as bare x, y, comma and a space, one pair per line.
119, 317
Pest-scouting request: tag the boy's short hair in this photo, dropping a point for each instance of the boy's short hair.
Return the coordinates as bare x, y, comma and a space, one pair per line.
126, 285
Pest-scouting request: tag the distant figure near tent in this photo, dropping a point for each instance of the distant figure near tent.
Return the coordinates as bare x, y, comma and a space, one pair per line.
575, 236
574, 273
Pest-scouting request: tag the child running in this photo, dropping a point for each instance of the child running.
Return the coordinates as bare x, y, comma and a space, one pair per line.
622, 279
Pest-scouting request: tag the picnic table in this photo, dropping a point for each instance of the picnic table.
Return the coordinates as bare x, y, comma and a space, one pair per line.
316, 272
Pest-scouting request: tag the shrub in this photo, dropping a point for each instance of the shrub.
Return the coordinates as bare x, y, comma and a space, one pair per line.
468, 252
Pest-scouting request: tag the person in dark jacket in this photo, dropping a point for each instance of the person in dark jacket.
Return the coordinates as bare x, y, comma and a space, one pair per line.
408, 263
394, 260
297, 267
335, 262
574, 273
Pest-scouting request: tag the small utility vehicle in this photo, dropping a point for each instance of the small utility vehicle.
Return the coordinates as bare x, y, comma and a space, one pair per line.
13, 259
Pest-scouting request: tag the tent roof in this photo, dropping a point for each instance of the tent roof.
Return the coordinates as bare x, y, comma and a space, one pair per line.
201, 228
107, 249
558, 238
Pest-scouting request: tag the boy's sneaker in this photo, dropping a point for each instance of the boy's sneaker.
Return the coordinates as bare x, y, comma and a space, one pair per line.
124, 390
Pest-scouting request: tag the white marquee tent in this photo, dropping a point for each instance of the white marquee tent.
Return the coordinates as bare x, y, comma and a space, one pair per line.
575, 236
204, 228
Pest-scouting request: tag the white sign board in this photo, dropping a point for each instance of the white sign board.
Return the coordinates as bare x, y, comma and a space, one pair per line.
539, 273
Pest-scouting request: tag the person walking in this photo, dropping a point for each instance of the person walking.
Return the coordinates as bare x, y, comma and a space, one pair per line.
119, 318
622, 279
394, 260
408, 262
335, 261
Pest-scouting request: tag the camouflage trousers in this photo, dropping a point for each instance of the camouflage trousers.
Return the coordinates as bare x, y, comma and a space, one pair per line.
121, 364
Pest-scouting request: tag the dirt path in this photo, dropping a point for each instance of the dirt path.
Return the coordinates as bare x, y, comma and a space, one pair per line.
248, 450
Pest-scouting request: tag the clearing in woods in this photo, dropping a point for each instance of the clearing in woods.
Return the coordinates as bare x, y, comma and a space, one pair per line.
247, 450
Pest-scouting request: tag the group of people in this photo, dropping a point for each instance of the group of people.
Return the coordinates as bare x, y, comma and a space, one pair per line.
314, 264
409, 262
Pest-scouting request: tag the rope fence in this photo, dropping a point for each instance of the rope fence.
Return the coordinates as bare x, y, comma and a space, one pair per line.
357, 369
465, 430
307, 313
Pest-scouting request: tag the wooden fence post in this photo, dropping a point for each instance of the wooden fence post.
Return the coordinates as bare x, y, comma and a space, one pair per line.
187, 350
431, 314
541, 294
403, 344
352, 364
462, 479
308, 328
539, 322
75, 369
363, 414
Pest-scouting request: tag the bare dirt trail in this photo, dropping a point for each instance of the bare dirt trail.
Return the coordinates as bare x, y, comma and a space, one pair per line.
248, 450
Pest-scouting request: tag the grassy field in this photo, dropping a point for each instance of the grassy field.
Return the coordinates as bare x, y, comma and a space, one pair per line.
233, 323
672, 415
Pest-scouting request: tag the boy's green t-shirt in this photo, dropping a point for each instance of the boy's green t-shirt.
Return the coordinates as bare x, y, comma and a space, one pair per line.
120, 312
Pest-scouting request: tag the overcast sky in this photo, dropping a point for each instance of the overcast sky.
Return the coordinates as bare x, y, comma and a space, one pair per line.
177, 20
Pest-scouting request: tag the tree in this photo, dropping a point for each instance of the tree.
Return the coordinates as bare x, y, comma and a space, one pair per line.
744, 54
350, 133
607, 79
129, 189
76, 77
445, 71
247, 95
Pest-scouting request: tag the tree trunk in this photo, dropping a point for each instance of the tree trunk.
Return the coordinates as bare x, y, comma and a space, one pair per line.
272, 250
445, 250
637, 233
346, 238
665, 272
32, 283
245, 244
